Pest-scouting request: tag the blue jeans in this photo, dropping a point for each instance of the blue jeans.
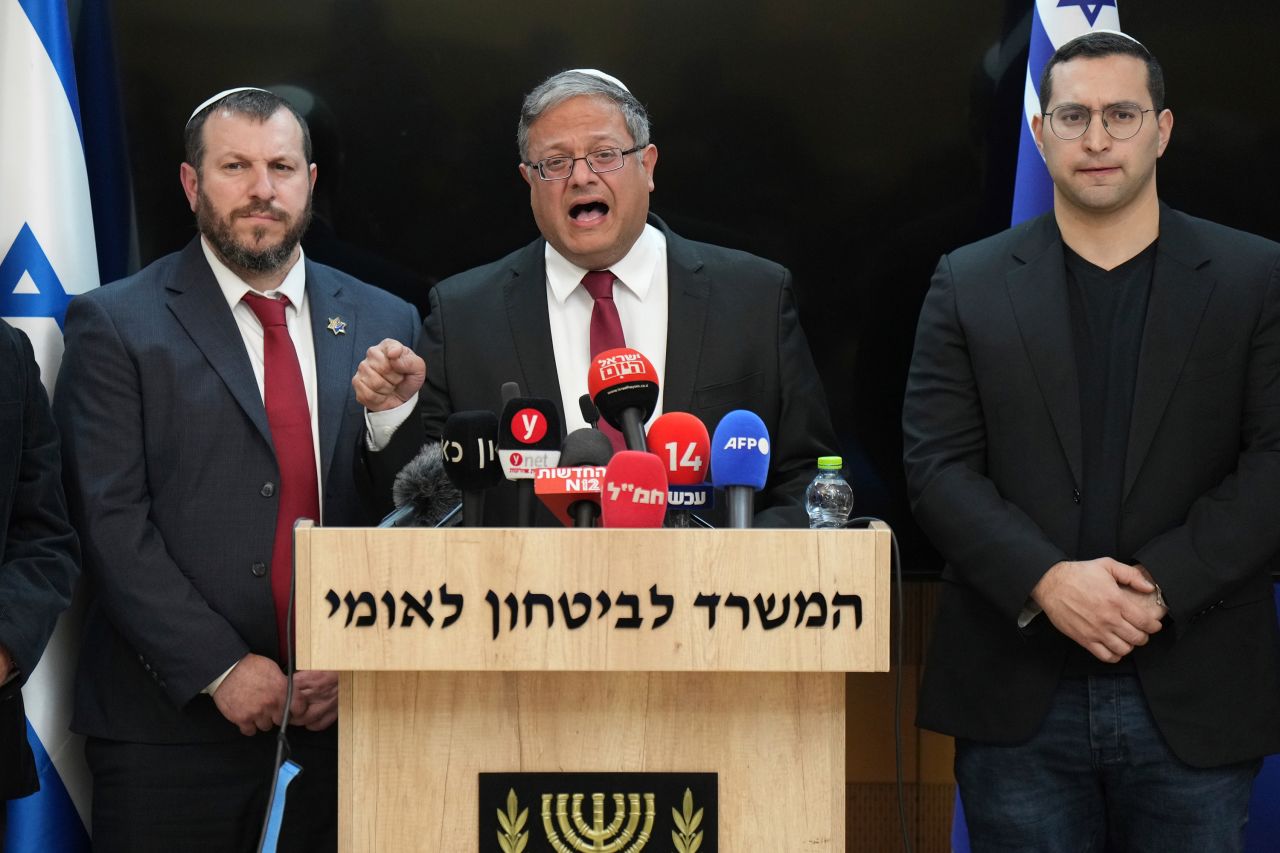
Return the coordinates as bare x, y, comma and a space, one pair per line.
1099, 777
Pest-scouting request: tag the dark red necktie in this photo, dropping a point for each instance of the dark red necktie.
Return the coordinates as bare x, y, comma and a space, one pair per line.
606, 331
290, 420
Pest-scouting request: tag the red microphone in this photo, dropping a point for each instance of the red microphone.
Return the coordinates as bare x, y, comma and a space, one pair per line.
624, 387
634, 491
561, 489
681, 441
683, 444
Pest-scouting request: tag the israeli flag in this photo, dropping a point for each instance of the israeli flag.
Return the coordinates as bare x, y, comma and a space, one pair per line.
1053, 24
47, 255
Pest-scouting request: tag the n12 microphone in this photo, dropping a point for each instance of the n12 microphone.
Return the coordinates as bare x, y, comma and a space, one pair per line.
468, 447
680, 440
528, 439
572, 490
634, 492
571, 493
740, 462
586, 447
624, 387
422, 492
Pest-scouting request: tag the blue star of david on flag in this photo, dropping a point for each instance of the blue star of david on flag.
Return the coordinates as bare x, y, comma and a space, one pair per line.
26, 256
1091, 8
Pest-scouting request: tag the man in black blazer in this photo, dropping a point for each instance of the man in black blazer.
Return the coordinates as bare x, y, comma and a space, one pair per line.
39, 554
186, 470
1092, 428
720, 325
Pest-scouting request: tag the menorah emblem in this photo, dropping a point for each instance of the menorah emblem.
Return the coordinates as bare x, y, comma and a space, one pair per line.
569, 833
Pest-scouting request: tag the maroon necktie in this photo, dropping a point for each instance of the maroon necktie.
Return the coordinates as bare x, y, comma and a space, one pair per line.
290, 422
606, 331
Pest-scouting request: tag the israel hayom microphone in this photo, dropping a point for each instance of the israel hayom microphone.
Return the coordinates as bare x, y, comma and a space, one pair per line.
624, 387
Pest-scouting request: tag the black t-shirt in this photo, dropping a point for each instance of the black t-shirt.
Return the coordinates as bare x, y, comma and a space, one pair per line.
1108, 311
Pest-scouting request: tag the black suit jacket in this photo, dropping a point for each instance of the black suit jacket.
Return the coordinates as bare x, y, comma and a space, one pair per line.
993, 459
39, 555
733, 342
171, 479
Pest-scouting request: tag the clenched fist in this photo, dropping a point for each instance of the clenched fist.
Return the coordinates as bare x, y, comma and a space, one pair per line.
390, 374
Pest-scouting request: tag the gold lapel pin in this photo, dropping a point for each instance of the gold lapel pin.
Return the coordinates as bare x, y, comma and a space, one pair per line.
337, 325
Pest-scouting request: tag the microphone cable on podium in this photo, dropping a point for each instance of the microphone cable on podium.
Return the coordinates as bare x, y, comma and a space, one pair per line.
271, 820
864, 521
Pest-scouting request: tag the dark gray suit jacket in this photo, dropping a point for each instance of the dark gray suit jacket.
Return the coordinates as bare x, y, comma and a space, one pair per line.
993, 458
171, 479
39, 555
733, 342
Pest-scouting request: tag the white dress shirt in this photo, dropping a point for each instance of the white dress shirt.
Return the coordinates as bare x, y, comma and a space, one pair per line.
640, 294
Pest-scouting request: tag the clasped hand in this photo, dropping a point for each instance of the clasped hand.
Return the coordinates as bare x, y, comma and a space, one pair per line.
252, 696
1106, 606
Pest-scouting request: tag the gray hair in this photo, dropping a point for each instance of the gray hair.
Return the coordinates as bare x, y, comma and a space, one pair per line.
559, 88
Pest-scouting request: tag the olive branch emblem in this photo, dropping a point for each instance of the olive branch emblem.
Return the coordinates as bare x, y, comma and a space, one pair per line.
512, 821
688, 838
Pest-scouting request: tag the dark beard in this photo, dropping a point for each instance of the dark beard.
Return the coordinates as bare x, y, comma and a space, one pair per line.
241, 258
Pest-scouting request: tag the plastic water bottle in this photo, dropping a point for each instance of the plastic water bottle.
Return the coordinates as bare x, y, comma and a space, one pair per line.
829, 498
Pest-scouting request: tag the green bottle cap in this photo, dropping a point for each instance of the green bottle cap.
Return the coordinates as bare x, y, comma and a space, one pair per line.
830, 463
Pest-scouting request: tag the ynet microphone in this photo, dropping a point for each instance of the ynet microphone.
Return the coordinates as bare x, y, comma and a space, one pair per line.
572, 491
528, 440
634, 492
423, 494
740, 462
624, 387
680, 440
468, 445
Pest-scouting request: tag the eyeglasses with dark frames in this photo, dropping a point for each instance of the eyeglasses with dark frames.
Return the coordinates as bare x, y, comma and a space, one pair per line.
604, 160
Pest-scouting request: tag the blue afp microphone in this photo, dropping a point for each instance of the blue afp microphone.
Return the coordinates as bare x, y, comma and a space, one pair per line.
740, 462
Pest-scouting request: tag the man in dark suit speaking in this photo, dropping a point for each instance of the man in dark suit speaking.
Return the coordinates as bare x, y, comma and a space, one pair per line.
719, 326
1092, 440
39, 555
206, 405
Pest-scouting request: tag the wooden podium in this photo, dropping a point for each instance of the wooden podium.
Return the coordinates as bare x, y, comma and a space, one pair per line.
591, 651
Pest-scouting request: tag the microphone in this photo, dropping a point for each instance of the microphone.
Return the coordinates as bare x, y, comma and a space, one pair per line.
635, 491
528, 439
586, 446
624, 387
590, 414
510, 390
680, 440
740, 462
422, 492
572, 491
470, 460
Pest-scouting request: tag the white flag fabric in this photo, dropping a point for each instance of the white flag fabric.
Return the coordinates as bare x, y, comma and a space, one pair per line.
47, 255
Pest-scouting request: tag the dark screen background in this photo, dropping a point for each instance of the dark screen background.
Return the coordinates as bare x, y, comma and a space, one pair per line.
852, 141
